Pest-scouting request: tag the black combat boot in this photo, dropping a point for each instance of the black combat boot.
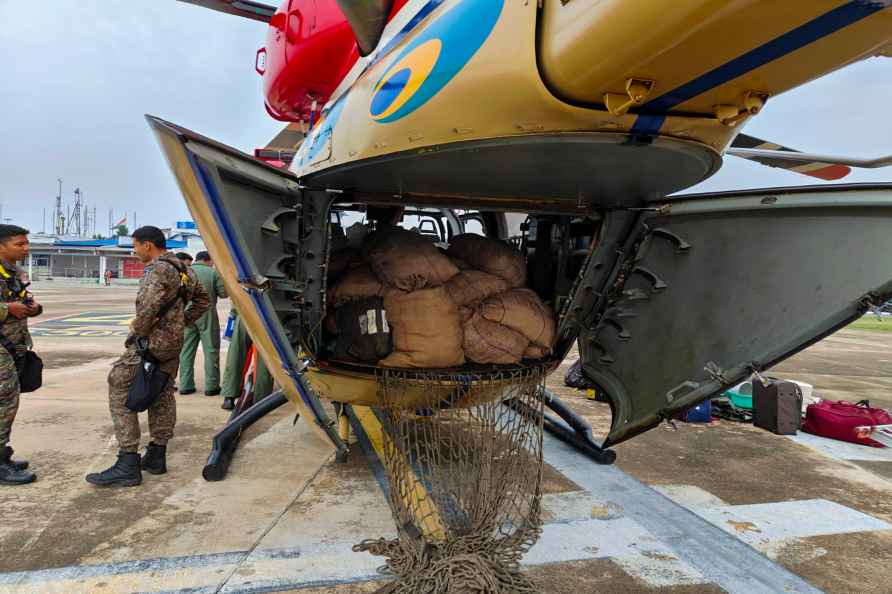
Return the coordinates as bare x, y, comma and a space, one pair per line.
228, 403
155, 458
17, 464
124, 473
10, 473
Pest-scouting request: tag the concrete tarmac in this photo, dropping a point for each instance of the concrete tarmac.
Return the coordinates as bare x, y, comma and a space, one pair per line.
286, 516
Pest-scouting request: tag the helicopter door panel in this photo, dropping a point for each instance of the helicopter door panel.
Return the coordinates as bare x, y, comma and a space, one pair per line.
696, 295
247, 212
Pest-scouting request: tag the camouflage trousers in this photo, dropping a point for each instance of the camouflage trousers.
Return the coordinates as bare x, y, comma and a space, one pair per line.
9, 395
162, 413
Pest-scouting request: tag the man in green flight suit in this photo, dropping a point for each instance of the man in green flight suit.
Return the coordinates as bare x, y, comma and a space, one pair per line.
206, 330
235, 366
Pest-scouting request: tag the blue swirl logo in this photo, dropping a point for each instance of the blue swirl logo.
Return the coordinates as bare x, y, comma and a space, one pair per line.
433, 58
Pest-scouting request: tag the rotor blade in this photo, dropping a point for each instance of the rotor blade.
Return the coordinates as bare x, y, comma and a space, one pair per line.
367, 18
776, 155
243, 8
811, 157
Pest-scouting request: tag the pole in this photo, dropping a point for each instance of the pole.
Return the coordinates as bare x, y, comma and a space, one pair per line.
57, 214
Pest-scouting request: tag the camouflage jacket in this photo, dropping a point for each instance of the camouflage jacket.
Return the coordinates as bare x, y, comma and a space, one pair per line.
13, 289
160, 284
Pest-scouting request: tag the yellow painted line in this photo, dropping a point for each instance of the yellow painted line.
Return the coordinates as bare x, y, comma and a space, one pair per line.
427, 516
121, 319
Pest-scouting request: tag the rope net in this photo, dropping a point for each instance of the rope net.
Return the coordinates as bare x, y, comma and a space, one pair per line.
465, 480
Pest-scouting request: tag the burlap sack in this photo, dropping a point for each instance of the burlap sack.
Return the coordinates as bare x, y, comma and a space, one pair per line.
534, 351
490, 255
426, 329
461, 264
489, 342
470, 286
522, 311
406, 260
340, 261
357, 283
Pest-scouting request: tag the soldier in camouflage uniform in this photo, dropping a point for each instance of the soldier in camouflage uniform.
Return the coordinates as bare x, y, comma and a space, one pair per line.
236, 358
16, 306
165, 281
205, 331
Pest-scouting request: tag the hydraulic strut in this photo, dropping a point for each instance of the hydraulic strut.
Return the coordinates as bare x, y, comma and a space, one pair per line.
226, 441
569, 428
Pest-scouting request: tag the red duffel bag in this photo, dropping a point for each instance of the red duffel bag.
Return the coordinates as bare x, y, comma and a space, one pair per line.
837, 420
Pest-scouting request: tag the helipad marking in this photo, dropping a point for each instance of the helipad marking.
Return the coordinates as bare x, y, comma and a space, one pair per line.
841, 450
727, 562
91, 324
617, 518
763, 523
90, 317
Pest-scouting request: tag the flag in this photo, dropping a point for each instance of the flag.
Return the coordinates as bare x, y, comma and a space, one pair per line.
121, 222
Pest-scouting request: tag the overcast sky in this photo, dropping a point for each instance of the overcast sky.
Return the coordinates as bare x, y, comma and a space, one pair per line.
76, 77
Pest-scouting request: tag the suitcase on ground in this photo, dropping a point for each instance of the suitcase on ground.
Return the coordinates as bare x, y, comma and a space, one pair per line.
838, 420
777, 406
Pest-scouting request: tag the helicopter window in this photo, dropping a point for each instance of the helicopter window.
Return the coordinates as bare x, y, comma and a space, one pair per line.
428, 225
472, 221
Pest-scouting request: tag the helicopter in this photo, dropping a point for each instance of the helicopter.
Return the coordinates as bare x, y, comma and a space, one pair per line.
567, 127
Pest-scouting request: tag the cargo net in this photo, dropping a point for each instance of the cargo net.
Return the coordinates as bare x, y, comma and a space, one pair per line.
465, 481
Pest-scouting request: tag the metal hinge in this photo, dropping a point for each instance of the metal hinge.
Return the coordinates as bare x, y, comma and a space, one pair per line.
716, 373
731, 115
637, 90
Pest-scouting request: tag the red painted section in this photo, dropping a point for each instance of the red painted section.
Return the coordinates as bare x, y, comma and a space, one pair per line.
830, 172
309, 50
274, 162
132, 268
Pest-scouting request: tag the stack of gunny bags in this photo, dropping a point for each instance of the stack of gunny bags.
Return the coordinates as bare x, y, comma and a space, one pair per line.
401, 302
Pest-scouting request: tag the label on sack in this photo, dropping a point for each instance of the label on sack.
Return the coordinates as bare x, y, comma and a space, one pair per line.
368, 322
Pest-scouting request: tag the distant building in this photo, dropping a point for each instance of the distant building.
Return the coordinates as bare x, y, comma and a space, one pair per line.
58, 257
186, 232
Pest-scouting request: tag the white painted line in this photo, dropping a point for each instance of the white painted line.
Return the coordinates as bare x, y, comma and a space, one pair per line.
321, 565
763, 523
727, 562
621, 540
841, 450
650, 537
689, 496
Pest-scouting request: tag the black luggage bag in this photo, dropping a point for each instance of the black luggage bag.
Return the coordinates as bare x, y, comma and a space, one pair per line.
363, 332
777, 406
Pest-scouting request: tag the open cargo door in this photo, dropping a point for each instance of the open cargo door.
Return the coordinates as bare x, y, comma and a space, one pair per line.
255, 222
687, 298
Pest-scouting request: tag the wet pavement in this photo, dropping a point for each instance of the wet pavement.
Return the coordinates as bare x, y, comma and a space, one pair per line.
286, 516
